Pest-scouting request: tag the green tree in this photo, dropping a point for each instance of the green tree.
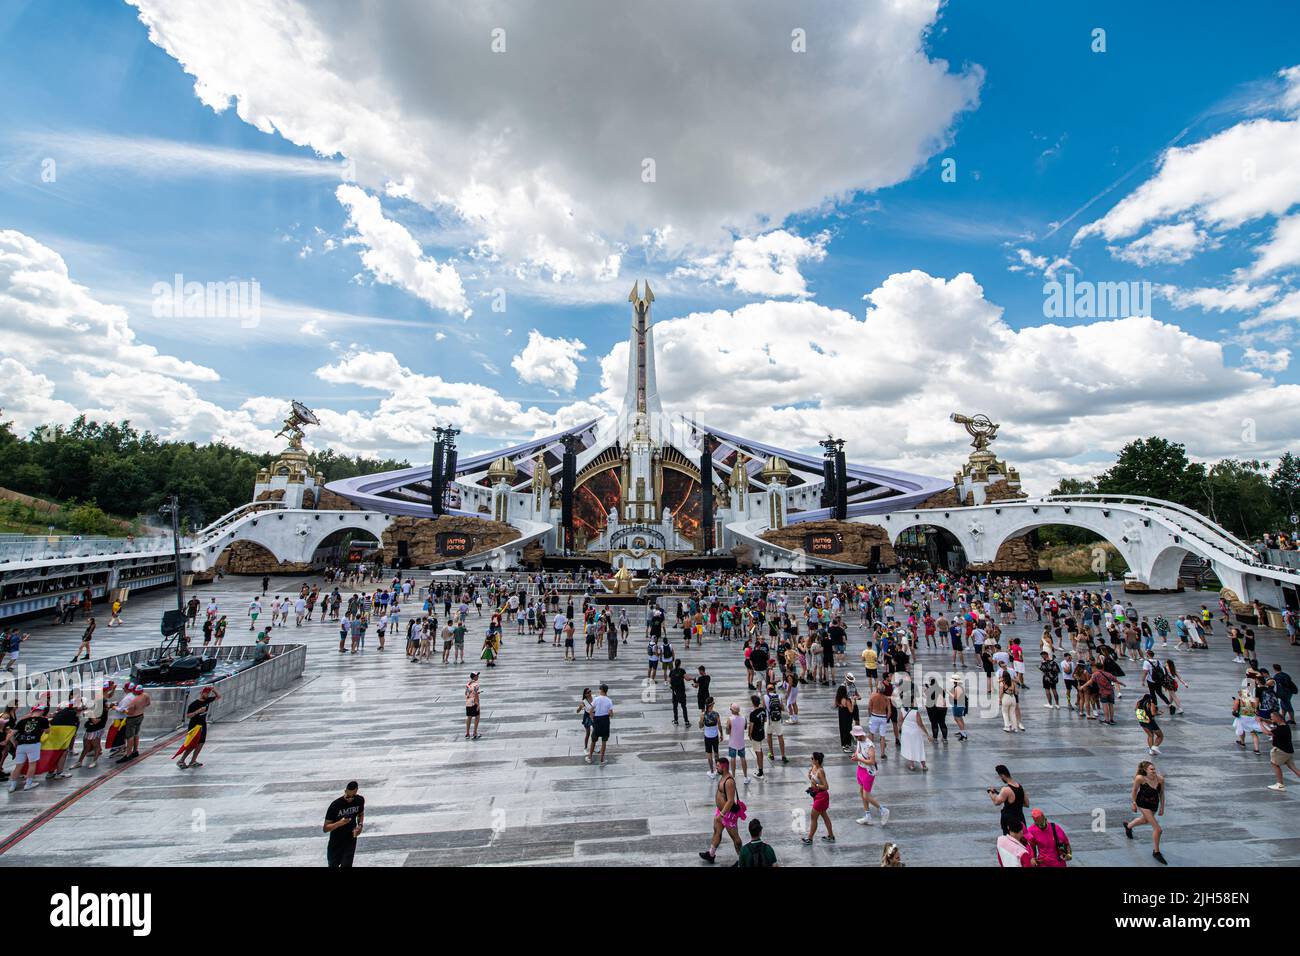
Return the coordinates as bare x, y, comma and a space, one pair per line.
1239, 497
1155, 468
1284, 483
89, 519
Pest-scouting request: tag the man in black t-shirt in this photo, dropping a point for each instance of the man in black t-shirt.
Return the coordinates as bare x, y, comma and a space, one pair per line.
28, 732
197, 716
677, 681
701, 683
343, 822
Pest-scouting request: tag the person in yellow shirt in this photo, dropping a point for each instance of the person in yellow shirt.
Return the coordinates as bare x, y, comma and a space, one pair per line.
869, 662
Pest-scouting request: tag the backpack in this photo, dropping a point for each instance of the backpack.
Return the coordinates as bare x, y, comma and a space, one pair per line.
774, 707
1157, 677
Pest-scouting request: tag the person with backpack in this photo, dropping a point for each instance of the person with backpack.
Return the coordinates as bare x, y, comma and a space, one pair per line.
1047, 841
1145, 712
1051, 671
756, 727
756, 852
775, 723
1286, 688
1156, 679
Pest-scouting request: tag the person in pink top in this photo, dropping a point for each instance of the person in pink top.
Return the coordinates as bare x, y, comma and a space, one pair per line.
1012, 851
1050, 845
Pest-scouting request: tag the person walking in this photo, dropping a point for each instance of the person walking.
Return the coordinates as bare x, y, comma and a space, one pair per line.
344, 821
756, 852
728, 811
197, 728
914, 737
86, 636
775, 723
472, 704
957, 693
1050, 845
864, 755
677, 685
735, 730
1148, 799
1282, 753
602, 709
710, 723
584, 708
1145, 714
820, 792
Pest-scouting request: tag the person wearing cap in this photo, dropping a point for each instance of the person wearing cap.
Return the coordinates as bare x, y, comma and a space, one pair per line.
134, 709
197, 715
472, 706
92, 741
864, 755
28, 732
729, 811
1050, 845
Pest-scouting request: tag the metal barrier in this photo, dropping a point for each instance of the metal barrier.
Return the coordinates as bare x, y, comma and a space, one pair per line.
239, 692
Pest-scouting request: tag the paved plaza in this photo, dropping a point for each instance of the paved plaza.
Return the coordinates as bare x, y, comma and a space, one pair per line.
523, 795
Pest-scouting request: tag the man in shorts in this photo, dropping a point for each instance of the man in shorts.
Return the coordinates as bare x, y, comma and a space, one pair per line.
1282, 753
472, 706
92, 741
728, 813
134, 710
878, 710
602, 708
458, 638
28, 732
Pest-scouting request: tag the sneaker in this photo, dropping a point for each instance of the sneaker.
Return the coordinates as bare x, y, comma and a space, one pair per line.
1155, 751
828, 839
1279, 787
806, 841
746, 779
32, 784
63, 775
13, 785
758, 774
712, 774
884, 815
1160, 857
864, 820
706, 856
587, 758
1021, 728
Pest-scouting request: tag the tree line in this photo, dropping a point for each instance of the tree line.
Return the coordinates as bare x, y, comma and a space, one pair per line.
1246, 496
111, 468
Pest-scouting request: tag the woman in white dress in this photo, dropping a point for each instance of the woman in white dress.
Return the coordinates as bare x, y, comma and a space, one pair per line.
914, 737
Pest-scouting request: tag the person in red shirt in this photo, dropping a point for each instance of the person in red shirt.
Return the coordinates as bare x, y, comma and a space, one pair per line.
1050, 845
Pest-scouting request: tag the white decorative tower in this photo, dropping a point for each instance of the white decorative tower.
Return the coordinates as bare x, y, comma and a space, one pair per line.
500, 474
775, 474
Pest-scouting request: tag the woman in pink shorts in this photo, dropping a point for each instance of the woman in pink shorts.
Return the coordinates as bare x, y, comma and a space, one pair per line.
820, 792
864, 755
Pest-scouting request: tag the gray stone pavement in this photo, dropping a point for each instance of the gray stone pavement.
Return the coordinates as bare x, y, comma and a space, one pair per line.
523, 795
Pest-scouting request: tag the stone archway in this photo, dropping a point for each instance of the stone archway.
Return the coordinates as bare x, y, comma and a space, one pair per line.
251, 557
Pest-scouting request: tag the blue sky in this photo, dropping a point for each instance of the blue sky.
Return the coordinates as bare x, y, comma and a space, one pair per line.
149, 181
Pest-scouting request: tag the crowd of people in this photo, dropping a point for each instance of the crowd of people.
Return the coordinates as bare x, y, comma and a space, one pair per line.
917, 637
